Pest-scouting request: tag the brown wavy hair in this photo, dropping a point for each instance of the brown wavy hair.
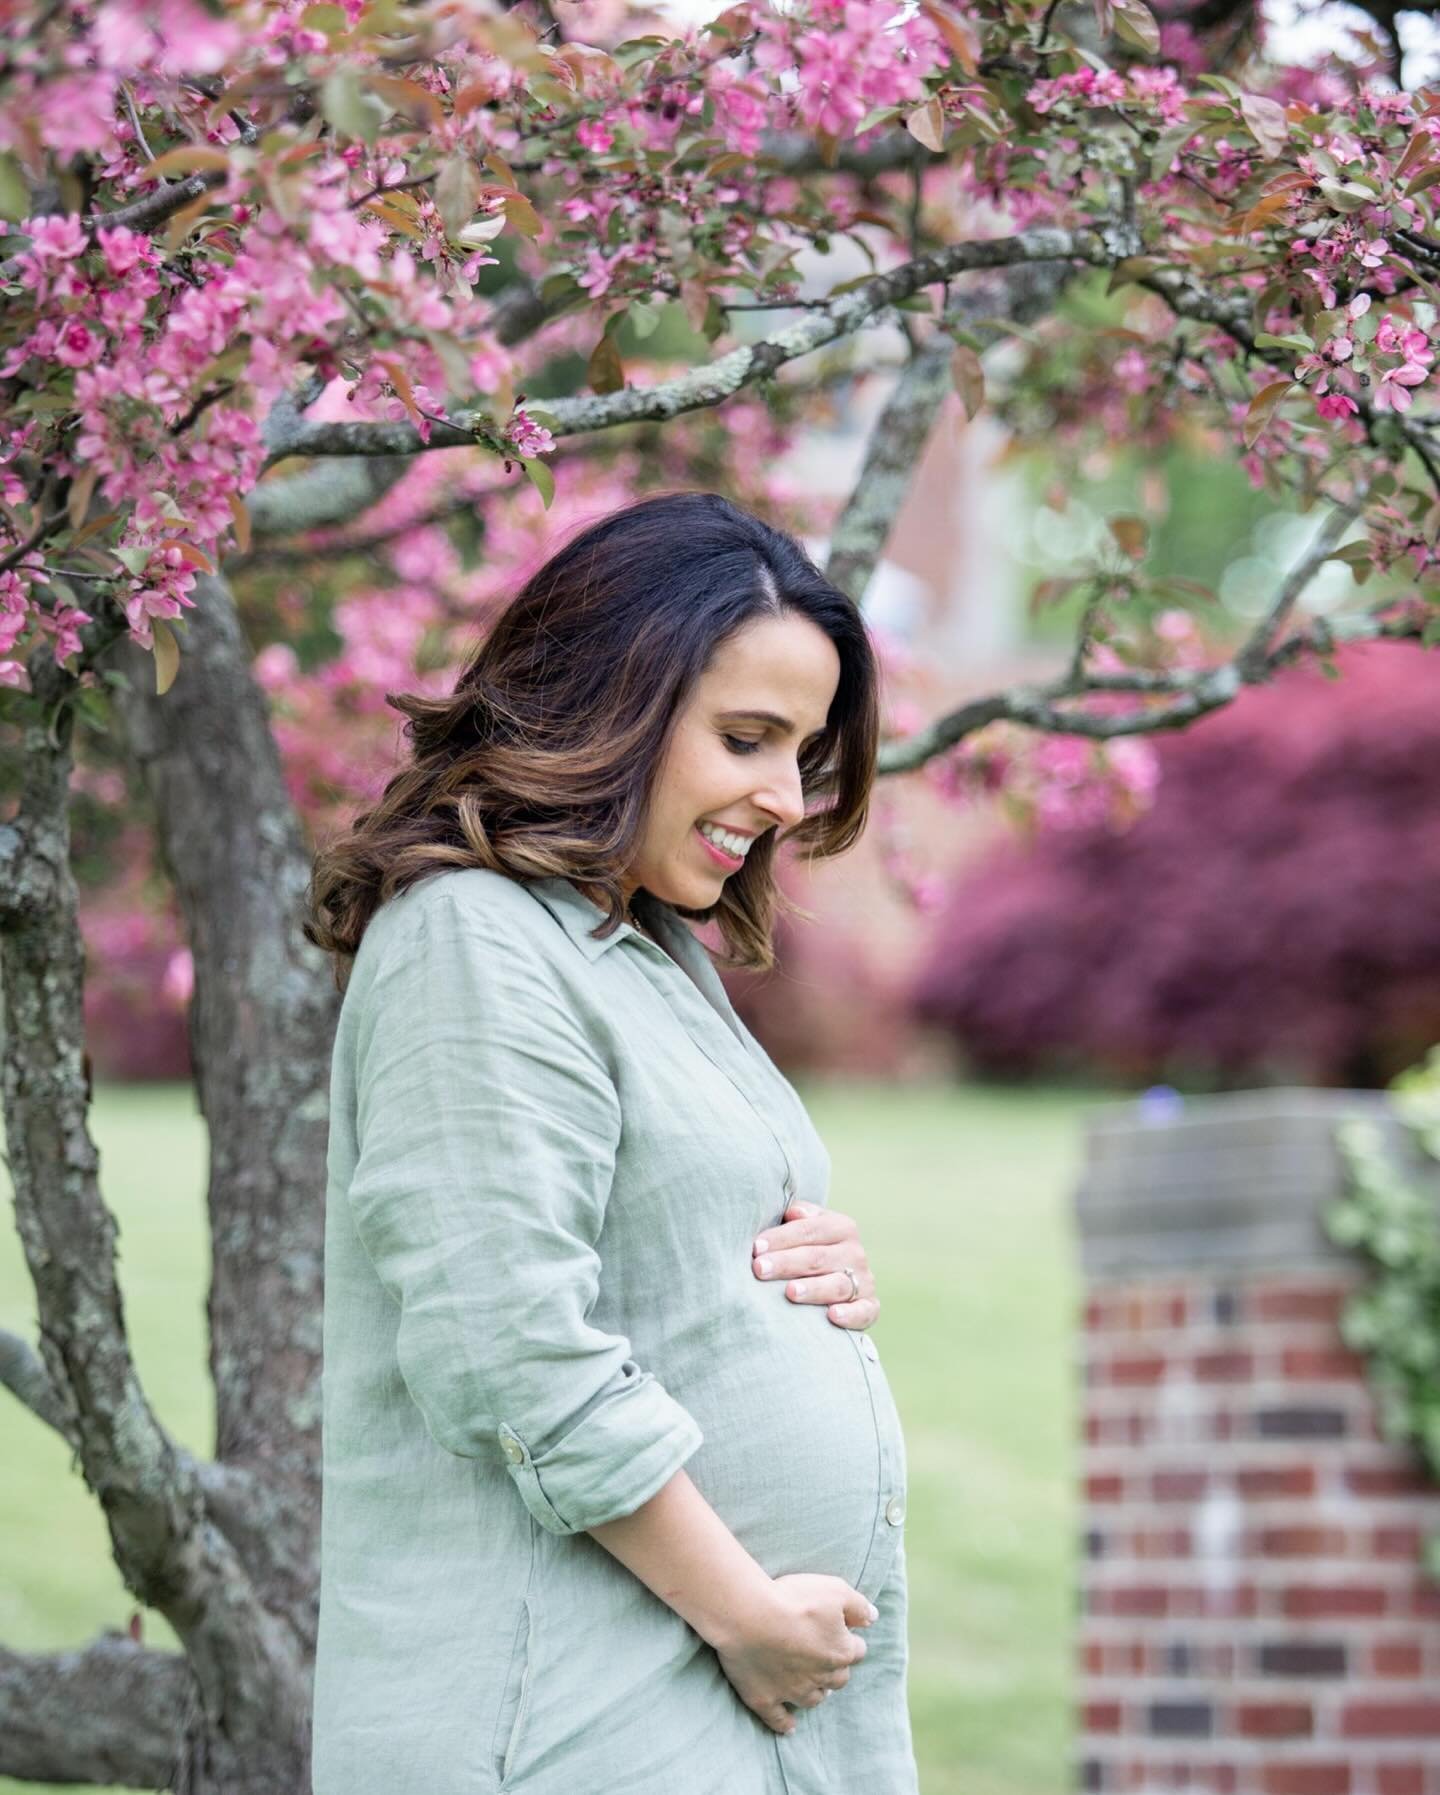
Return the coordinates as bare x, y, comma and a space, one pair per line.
542, 760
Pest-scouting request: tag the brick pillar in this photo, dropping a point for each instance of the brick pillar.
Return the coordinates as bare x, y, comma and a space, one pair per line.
1253, 1618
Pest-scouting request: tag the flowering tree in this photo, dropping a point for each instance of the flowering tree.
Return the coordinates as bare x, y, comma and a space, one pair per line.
287, 279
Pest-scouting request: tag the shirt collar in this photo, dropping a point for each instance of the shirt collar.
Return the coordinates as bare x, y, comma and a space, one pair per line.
578, 914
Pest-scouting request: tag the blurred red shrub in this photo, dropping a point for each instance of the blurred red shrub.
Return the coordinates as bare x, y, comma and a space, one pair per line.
1275, 916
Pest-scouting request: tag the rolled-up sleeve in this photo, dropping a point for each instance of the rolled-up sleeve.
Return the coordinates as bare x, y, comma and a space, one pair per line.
487, 1124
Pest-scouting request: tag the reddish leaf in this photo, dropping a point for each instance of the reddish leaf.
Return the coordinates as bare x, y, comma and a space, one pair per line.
969, 378
1262, 408
1266, 119
926, 124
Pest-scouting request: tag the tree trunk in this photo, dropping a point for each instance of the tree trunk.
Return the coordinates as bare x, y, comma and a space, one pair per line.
261, 1027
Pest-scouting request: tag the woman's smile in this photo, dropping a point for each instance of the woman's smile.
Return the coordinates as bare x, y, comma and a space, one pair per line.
722, 856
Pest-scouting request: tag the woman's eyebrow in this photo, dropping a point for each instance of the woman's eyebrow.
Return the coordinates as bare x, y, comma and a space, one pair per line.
763, 717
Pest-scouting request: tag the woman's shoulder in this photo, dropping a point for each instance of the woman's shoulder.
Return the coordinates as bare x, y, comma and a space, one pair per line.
474, 902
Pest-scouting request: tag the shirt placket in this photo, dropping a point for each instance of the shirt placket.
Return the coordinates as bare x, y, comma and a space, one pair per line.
719, 1043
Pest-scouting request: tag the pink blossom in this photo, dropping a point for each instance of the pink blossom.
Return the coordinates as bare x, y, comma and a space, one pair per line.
54, 237
1402, 339
1088, 87
77, 347
1392, 393
1334, 405
1371, 255
594, 134
741, 112
124, 249
1132, 371
528, 437
177, 984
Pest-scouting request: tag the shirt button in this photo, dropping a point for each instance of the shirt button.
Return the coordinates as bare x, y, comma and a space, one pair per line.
513, 1450
895, 1510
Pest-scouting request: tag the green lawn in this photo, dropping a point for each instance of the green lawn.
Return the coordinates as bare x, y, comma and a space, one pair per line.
963, 1200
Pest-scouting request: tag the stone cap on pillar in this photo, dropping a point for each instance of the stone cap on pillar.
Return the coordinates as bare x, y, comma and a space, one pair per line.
1234, 1180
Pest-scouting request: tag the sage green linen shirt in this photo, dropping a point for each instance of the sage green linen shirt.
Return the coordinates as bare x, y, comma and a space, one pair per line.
549, 1158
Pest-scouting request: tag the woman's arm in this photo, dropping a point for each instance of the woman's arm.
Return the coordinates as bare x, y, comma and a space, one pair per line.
779, 1639
684, 1553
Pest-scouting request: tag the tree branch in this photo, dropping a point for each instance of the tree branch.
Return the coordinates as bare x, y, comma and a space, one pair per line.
1192, 692
1188, 299
903, 428
1253, 658
226, 823
23, 1373
713, 382
170, 1553
112, 1715
331, 493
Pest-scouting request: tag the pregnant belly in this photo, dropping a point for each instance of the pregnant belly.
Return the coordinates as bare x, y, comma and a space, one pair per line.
803, 1457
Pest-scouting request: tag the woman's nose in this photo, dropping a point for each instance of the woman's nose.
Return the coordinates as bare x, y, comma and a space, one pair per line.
784, 799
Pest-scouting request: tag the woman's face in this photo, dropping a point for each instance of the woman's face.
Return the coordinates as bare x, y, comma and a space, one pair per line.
730, 768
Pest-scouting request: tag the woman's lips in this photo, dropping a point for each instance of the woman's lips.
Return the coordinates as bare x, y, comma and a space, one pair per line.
728, 861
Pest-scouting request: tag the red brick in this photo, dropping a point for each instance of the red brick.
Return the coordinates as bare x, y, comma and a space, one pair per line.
1131, 1598
1316, 1303
1178, 1486
1107, 1488
1239, 1602
1425, 1602
1302, 1542
1326, 1601
1390, 1720
1259, 1481
1101, 1717
1397, 1542
1406, 1778
1388, 1480
1096, 1313
1398, 1658
1229, 1365
1135, 1368
1273, 1720
1333, 1362
1092, 1660
1161, 1542
1315, 1778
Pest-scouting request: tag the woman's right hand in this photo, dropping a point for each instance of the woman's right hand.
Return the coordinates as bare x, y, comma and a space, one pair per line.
797, 1647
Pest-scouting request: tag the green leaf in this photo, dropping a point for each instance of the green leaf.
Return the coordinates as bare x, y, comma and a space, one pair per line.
1298, 342
1137, 25
457, 192
350, 107
14, 191
1169, 146
540, 477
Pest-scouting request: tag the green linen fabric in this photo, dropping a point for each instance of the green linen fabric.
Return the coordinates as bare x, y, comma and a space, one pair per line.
549, 1157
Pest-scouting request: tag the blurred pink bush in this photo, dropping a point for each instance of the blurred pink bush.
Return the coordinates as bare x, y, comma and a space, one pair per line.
1273, 916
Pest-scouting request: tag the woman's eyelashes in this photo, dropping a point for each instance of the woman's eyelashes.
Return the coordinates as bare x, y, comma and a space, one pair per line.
737, 744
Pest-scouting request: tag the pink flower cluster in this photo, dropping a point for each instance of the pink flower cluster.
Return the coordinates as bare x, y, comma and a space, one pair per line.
1054, 782
849, 57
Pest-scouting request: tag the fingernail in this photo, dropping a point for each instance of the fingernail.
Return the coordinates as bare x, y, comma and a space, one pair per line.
762, 1245
764, 1267
874, 1612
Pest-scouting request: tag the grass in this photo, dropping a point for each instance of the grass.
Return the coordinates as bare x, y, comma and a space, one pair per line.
963, 1200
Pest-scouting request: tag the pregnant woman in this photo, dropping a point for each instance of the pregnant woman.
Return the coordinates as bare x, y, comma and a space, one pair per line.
614, 1483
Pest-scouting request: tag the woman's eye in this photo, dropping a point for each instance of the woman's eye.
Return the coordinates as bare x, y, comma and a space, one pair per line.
737, 744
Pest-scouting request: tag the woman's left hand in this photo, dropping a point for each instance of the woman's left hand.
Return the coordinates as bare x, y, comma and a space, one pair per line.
809, 1248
